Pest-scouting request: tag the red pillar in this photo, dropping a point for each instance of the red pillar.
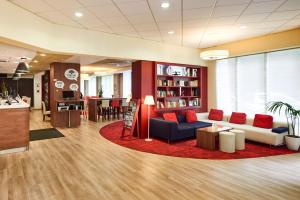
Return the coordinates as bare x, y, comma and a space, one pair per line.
142, 85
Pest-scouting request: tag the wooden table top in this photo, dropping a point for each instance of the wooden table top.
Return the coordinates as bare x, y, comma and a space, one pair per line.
214, 129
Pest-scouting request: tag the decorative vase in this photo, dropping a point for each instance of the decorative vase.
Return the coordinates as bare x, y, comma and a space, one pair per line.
292, 143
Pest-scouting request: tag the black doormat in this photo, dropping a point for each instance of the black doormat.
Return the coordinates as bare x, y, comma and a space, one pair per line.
43, 134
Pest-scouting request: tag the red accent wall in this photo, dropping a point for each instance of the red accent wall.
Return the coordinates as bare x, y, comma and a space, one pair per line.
143, 83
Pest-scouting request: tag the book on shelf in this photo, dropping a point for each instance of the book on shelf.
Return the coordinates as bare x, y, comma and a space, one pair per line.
193, 83
182, 103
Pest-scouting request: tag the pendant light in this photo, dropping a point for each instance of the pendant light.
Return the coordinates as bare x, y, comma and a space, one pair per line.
22, 68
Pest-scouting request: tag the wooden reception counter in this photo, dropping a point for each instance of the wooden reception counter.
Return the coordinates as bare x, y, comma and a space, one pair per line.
14, 127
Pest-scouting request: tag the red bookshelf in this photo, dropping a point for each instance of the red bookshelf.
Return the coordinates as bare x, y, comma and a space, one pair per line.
178, 87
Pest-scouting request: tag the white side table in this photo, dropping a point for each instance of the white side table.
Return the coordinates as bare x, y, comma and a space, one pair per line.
239, 139
227, 142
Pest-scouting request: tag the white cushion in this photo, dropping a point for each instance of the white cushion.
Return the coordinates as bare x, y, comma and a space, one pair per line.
227, 141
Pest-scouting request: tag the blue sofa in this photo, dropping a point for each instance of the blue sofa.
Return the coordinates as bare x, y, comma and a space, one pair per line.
171, 131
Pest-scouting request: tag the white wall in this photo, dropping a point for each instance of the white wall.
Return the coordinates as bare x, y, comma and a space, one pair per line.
37, 90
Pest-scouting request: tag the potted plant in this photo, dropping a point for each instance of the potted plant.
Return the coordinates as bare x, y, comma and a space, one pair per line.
292, 117
100, 93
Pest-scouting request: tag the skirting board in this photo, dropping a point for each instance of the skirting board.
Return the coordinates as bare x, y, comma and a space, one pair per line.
14, 150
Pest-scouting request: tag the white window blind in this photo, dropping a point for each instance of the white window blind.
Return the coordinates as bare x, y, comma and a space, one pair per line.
126, 83
251, 84
248, 83
283, 77
107, 84
225, 81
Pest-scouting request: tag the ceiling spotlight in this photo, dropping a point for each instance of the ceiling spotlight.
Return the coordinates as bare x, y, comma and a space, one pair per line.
35, 61
78, 14
42, 54
243, 27
165, 5
171, 32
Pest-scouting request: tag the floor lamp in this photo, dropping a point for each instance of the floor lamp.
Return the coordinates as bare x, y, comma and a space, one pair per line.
149, 101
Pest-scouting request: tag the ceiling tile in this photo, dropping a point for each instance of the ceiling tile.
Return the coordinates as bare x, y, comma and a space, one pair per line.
90, 22
271, 24
105, 11
167, 16
134, 7
223, 11
71, 13
34, 5
146, 27
141, 19
114, 21
122, 28
196, 13
263, 7
150, 33
102, 29
195, 23
290, 5
231, 2
223, 20
252, 18
167, 26
192, 4
58, 18
59, 4
156, 5
283, 15
95, 2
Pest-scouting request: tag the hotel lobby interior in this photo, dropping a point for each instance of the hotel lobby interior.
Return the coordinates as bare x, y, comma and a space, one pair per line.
149, 99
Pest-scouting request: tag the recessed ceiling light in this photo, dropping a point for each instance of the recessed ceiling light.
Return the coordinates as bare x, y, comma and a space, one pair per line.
42, 54
243, 27
35, 61
78, 14
165, 5
171, 32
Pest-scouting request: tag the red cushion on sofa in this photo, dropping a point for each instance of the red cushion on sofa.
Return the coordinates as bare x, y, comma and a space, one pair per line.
170, 117
238, 118
190, 116
263, 121
215, 114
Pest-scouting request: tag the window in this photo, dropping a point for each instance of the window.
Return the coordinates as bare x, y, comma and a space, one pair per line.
107, 85
225, 81
126, 83
283, 70
248, 83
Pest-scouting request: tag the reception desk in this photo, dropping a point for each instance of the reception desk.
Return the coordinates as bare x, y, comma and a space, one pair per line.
14, 127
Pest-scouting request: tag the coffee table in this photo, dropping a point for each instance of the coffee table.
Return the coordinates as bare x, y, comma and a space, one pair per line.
208, 138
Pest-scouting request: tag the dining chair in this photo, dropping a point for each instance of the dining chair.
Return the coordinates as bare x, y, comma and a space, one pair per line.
115, 104
45, 111
105, 109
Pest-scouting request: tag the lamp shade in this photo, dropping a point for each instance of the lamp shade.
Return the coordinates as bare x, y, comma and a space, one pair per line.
22, 68
149, 100
16, 77
214, 54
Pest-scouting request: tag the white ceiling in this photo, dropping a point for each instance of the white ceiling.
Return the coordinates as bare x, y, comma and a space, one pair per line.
197, 23
10, 56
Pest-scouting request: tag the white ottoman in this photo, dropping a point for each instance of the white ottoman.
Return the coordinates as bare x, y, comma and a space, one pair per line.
239, 139
227, 141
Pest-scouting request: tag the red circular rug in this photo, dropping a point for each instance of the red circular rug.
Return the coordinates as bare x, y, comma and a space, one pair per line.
187, 148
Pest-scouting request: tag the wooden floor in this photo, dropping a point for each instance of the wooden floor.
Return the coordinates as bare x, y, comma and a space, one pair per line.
83, 165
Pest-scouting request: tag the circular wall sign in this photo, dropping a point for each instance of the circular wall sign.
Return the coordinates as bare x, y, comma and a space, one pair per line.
74, 87
59, 84
71, 74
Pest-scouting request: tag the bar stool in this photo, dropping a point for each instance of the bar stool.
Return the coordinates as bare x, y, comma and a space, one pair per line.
115, 104
105, 109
